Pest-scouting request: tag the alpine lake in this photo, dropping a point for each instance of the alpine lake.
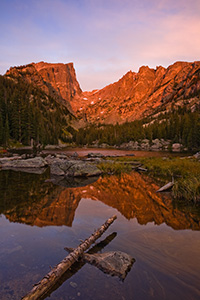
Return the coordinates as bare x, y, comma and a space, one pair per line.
38, 219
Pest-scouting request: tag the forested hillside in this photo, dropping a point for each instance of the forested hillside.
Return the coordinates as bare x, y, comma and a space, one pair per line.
26, 113
180, 126
36, 101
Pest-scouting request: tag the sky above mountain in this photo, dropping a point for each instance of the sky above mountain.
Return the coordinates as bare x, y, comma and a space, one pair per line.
103, 38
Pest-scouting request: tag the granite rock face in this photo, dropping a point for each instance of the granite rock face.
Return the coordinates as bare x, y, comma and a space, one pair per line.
133, 97
148, 92
57, 80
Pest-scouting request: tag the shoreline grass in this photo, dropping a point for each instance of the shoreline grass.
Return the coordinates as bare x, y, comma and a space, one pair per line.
185, 171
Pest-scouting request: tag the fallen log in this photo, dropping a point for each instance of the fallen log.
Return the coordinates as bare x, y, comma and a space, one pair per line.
42, 288
166, 187
79, 264
114, 263
140, 169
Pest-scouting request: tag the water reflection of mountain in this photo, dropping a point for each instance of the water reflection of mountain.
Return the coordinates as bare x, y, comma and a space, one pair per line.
27, 198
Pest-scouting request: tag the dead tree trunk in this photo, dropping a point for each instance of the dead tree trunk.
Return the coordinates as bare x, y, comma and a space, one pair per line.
42, 288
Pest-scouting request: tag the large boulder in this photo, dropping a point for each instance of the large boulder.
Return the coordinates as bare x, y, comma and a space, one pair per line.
177, 147
73, 168
36, 162
83, 169
5, 160
144, 144
197, 155
56, 170
156, 145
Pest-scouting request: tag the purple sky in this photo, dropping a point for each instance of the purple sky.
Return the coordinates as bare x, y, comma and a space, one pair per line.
103, 38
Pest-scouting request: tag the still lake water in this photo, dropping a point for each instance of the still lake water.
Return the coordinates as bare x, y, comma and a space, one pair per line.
38, 219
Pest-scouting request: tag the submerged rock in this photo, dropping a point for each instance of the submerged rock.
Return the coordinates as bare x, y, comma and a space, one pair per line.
115, 263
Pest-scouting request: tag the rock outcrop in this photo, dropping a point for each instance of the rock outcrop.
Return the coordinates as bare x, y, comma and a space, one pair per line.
36, 162
73, 168
58, 167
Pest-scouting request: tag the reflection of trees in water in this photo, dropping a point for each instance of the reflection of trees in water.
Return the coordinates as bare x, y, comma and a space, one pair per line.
29, 199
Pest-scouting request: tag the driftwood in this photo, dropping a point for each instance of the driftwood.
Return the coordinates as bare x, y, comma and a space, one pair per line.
45, 285
140, 169
166, 187
114, 263
79, 264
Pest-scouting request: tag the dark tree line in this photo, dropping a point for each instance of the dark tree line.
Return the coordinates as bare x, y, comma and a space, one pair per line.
180, 126
26, 113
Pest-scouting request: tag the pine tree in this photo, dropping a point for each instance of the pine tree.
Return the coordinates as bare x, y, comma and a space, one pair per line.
1, 128
6, 132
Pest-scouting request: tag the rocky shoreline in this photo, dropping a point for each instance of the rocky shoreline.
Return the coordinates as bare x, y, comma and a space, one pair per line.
143, 145
140, 145
147, 145
59, 165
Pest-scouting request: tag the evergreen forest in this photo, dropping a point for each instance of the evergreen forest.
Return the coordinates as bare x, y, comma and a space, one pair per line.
179, 126
27, 113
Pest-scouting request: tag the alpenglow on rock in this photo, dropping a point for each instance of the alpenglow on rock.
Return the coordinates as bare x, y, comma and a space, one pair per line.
148, 92
57, 80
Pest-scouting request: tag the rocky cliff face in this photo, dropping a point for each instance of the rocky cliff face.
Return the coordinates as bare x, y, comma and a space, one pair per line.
57, 80
135, 96
148, 92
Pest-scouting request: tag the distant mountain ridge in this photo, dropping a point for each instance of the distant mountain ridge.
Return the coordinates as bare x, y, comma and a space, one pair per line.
149, 92
146, 93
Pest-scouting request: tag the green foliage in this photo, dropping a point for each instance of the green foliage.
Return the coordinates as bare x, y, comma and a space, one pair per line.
185, 171
174, 166
188, 188
112, 167
180, 126
26, 113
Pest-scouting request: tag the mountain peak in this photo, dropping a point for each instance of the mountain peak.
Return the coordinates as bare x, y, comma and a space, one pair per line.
150, 91
134, 96
56, 79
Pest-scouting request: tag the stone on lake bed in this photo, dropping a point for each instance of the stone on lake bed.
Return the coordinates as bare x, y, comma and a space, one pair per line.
115, 263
